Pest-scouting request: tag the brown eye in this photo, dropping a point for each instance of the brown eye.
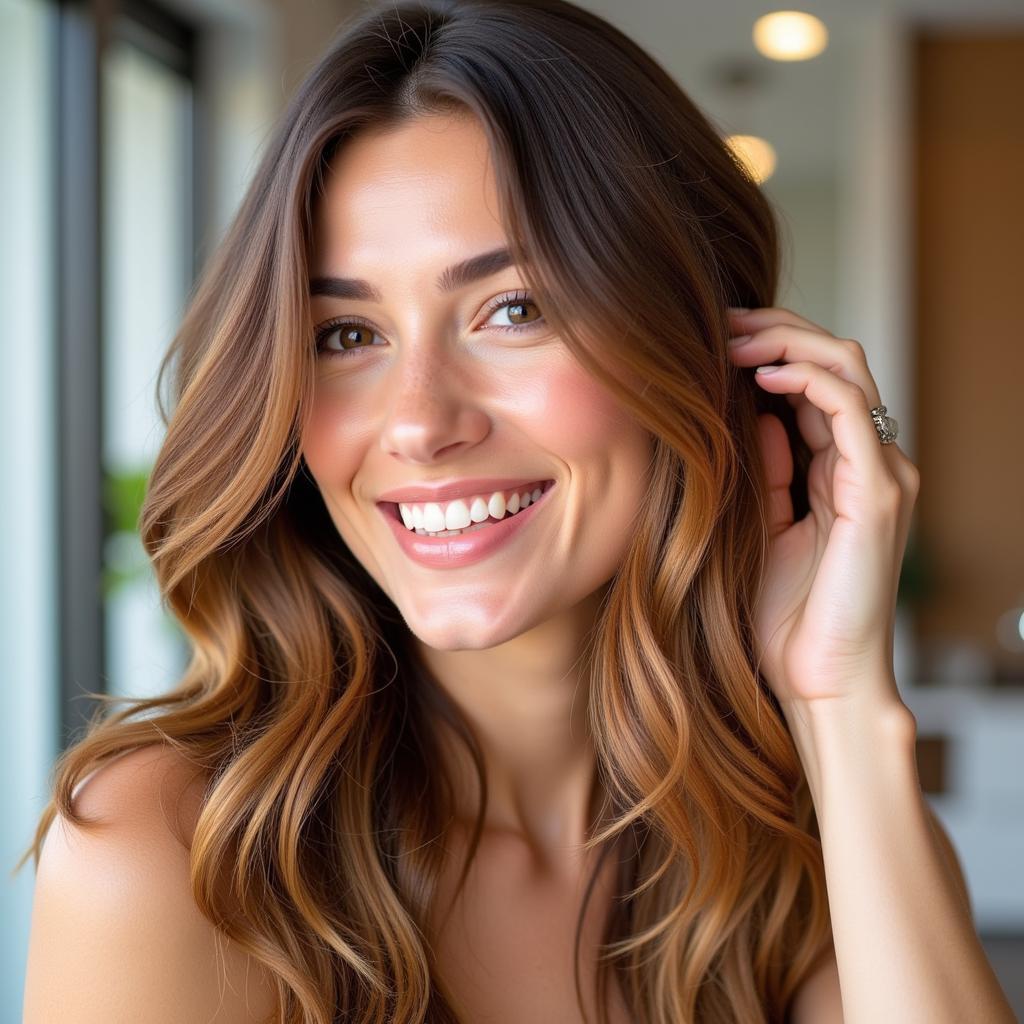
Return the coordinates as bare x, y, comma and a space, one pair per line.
518, 311
522, 312
353, 336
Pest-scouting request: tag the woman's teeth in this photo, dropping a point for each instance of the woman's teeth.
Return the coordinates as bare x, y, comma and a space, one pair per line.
463, 515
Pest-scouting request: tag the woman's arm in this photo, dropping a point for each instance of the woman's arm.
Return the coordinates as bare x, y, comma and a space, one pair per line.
905, 943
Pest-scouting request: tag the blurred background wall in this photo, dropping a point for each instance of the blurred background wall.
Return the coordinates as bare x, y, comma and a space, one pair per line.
128, 132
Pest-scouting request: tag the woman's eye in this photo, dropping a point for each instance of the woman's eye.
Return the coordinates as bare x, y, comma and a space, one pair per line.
517, 309
355, 336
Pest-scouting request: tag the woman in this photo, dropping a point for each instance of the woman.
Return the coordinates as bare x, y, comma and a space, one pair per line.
565, 758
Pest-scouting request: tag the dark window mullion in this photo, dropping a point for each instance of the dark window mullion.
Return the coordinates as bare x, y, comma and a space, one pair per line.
83, 30
157, 33
80, 523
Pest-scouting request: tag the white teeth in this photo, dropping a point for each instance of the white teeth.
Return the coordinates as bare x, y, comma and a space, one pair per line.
456, 516
445, 519
478, 511
433, 517
496, 506
453, 533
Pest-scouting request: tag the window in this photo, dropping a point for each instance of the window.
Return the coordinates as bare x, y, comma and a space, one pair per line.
28, 561
147, 270
96, 261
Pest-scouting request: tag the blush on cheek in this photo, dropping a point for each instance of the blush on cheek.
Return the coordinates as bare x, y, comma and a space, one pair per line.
314, 441
582, 413
331, 442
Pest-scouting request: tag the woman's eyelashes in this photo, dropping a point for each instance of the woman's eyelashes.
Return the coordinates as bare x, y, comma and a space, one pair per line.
347, 327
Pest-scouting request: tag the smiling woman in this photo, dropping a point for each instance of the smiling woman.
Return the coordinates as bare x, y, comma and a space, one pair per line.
463, 508
445, 389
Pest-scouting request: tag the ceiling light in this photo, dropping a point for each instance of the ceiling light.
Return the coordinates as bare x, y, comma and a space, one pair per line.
790, 35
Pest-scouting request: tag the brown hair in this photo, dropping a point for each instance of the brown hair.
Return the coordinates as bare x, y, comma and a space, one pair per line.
635, 227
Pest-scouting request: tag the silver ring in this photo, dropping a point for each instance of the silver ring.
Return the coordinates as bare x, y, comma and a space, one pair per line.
886, 426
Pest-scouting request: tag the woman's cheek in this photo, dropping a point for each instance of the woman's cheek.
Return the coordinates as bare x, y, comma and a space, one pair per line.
331, 439
582, 414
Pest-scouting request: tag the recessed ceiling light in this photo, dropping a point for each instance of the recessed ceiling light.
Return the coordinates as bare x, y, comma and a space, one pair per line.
790, 35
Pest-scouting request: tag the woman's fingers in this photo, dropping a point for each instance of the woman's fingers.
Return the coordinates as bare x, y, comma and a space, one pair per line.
780, 339
790, 342
854, 435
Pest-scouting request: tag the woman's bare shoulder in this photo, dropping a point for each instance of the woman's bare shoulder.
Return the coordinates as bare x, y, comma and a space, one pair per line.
116, 934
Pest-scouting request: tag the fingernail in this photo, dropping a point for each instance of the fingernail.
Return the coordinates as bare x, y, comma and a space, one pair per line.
741, 340
767, 369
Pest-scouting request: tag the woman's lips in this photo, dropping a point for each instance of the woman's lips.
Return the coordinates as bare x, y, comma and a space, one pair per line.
544, 485
464, 548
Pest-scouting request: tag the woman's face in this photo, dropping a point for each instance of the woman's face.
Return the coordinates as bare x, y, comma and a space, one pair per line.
426, 388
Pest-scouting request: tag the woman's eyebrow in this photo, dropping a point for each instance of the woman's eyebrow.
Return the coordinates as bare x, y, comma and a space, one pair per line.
456, 276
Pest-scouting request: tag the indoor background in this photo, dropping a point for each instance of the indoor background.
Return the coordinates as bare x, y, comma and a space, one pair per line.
892, 145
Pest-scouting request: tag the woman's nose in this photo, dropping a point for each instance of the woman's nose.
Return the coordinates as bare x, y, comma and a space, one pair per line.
432, 410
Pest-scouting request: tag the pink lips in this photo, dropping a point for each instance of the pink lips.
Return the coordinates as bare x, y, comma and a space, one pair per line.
464, 548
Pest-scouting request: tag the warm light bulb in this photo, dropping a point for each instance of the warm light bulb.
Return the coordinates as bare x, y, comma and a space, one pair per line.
1010, 630
756, 154
790, 35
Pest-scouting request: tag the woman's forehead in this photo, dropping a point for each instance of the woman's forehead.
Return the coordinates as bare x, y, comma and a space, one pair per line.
425, 162
425, 188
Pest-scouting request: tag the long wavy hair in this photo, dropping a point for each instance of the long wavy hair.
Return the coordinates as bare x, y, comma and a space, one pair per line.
320, 838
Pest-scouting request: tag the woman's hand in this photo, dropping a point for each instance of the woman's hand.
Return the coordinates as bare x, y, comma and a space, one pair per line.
824, 621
